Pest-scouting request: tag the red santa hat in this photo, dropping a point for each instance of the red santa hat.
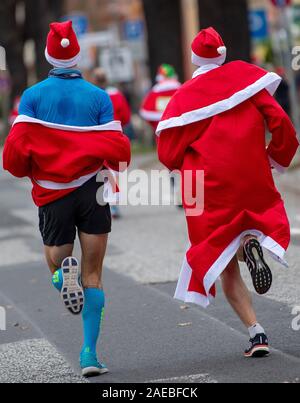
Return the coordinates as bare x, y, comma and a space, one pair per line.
62, 49
208, 48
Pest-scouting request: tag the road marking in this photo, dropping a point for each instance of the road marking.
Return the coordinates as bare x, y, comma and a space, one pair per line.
295, 231
35, 361
29, 215
16, 251
16, 231
197, 378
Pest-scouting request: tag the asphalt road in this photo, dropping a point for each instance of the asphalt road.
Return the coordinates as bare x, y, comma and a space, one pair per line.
147, 335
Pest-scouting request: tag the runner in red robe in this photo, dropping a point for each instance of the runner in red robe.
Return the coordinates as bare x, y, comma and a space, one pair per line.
122, 112
121, 106
160, 95
216, 123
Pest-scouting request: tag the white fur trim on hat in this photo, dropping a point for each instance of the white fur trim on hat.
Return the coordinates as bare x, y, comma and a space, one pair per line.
202, 61
65, 42
62, 63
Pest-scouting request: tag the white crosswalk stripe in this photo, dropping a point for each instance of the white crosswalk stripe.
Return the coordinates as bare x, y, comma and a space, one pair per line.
35, 361
29, 215
17, 251
14, 245
15, 231
197, 378
295, 231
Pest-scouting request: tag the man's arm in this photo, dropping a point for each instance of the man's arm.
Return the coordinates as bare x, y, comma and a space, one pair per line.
105, 108
173, 144
284, 144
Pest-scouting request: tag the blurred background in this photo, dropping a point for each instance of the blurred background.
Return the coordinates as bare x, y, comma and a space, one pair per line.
131, 38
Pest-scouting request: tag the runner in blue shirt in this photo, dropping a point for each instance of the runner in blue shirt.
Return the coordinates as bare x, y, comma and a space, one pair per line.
65, 98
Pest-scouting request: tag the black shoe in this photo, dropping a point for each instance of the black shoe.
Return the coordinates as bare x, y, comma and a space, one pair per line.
259, 270
259, 347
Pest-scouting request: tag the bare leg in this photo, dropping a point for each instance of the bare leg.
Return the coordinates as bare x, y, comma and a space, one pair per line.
56, 254
237, 294
93, 253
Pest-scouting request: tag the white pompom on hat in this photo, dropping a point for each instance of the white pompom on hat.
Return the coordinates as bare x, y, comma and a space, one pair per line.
65, 42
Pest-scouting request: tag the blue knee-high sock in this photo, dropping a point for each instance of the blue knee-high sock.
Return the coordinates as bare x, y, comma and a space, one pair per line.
92, 316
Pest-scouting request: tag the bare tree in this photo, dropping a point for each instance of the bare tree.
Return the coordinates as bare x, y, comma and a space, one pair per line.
38, 15
230, 18
163, 18
11, 37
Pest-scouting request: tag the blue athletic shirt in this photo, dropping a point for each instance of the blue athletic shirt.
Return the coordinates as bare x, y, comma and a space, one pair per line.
66, 98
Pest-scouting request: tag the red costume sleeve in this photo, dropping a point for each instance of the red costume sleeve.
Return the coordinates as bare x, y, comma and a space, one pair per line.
284, 144
16, 156
173, 143
118, 151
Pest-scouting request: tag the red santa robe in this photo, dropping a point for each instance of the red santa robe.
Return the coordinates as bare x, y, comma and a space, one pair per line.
216, 123
157, 100
59, 159
121, 107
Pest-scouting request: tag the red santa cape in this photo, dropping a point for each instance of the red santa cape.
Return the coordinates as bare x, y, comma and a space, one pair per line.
216, 123
157, 100
58, 159
121, 107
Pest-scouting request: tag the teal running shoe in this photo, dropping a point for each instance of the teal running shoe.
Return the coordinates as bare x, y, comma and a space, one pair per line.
90, 366
72, 293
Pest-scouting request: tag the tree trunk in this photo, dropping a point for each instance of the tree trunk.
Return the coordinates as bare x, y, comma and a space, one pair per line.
230, 19
12, 39
164, 34
39, 14
56, 9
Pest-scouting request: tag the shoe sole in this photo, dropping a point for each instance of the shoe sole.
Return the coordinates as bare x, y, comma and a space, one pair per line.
72, 293
258, 352
260, 272
93, 371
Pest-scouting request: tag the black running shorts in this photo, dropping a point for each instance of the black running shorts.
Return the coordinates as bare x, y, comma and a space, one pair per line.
80, 211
